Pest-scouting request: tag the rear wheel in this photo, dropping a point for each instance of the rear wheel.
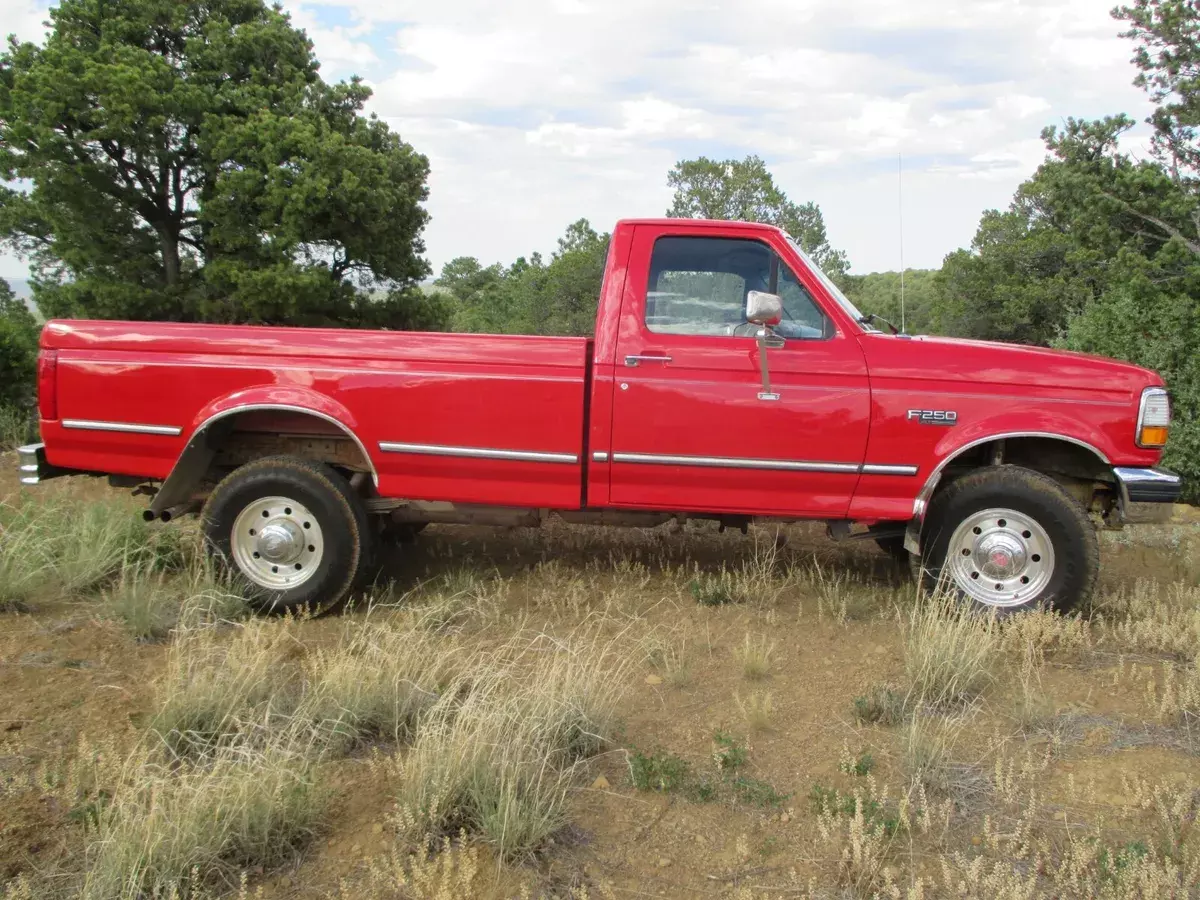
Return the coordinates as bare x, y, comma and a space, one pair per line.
292, 529
1010, 538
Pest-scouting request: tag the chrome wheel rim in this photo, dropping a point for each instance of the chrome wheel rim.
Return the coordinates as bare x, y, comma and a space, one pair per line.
277, 543
1000, 557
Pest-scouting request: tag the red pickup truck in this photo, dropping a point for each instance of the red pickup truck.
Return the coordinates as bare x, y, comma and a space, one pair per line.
728, 379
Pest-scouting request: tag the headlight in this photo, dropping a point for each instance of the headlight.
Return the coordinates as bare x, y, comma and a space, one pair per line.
1154, 419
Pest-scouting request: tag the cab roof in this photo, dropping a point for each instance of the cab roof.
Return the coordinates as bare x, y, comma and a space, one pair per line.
665, 222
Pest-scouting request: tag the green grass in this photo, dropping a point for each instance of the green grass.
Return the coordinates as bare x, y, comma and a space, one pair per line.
859, 766
830, 801
755, 792
666, 773
658, 771
18, 426
152, 604
729, 753
63, 545
712, 590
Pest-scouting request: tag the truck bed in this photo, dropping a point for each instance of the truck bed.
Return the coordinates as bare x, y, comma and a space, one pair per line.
469, 418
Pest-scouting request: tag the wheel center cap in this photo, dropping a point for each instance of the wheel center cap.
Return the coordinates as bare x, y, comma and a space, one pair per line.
280, 541
1000, 556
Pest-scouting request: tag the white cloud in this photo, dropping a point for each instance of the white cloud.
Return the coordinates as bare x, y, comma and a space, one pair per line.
537, 112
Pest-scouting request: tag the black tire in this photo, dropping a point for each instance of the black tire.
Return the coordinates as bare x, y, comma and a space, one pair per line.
403, 533
1072, 537
893, 547
339, 517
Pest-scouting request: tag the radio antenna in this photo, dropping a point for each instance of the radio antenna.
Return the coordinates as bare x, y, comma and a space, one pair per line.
900, 185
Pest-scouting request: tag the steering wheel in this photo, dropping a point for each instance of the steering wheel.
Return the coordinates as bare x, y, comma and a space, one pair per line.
753, 332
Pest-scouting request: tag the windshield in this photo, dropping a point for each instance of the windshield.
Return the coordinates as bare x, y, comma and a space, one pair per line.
833, 289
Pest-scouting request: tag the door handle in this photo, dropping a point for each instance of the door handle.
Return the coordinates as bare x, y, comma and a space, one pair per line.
634, 361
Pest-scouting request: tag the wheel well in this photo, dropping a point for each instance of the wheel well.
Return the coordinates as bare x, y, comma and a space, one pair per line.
1076, 467
226, 442
254, 434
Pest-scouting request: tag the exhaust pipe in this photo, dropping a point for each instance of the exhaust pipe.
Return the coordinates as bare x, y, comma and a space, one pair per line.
173, 512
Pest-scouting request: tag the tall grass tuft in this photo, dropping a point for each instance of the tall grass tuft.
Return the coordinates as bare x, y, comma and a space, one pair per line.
220, 689
376, 682
151, 604
81, 546
949, 651
18, 426
499, 756
177, 829
26, 561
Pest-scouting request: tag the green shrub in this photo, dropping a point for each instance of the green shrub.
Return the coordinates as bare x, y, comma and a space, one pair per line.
18, 351
657, 771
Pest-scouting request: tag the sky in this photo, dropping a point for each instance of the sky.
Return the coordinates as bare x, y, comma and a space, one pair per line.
534, 113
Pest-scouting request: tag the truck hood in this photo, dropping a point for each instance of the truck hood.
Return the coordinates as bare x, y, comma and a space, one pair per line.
1001, 365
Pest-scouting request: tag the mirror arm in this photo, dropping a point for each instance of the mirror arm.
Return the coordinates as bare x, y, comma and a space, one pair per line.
766, 393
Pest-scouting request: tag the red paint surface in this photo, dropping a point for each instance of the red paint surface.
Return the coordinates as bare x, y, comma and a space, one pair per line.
843, 400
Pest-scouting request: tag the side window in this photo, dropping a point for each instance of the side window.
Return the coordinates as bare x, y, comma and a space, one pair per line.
698, 286
802, 318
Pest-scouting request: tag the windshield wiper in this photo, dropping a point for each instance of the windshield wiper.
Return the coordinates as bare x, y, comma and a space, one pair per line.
874, 317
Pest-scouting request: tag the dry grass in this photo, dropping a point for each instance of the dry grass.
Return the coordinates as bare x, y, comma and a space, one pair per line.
491, 725
755, 656
79, 547
1179, 700
949, 652
758, 710
1151, 618
430, 872
172, 830
457, 598
927, 747
499, 757
220, 687
668, 656
152, 604
375, 682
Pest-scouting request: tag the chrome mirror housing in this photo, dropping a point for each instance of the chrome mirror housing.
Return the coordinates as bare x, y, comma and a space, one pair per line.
763, 308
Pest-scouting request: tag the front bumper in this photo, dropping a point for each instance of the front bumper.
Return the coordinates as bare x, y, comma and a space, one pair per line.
1147, 486
32, 464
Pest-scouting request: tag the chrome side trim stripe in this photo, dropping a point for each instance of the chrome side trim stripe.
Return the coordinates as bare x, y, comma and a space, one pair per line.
785, 465
599, 456
479, 453
131, 428
870, 469
725, 462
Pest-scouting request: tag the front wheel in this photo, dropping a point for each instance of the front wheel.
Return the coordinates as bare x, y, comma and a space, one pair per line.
293, 530
1010, 538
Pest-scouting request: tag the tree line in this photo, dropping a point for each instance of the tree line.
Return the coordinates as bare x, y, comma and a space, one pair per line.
185, 161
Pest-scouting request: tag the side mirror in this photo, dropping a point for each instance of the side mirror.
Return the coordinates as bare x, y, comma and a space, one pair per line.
763, 308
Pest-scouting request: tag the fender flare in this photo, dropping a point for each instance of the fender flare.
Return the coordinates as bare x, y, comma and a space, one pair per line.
912, 538
194, 461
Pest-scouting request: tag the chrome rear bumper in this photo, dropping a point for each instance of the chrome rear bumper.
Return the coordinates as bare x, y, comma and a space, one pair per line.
32, 465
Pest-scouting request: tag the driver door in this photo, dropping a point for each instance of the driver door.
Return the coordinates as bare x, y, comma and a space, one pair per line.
692, 427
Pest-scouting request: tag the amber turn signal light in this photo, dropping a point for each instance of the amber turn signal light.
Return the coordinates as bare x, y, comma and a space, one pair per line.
1152, 436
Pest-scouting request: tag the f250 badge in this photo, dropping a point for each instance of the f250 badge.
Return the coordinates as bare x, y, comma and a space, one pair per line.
933, 416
